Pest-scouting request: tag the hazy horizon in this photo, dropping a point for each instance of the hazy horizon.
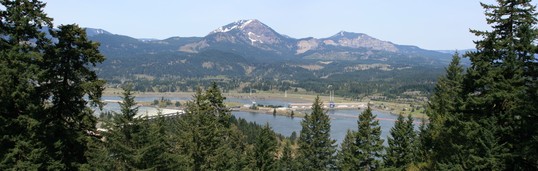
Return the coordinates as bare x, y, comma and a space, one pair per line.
431, 25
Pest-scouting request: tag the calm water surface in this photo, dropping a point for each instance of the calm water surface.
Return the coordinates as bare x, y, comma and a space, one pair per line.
341, 120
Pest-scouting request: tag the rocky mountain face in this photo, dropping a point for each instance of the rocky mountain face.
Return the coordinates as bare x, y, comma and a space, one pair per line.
345, 39
248, 51
251, 48
254, 39
245, 37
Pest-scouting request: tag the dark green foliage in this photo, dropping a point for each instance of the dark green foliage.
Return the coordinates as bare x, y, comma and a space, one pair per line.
263, 157
293, 136
198, 132
347, 156
486, 119
154, 148
287, 161
368, 141
133, 142
124, 135
45, 120
206, 136
68, 80
98, 155
423, 151
216, 102
363, 149
401, 150
316, 148
162, 102
19, 99
499, 84
442, 118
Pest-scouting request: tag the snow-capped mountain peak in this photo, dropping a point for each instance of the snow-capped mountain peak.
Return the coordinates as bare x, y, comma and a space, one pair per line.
241, 24
94, 31
252, 31
247, 32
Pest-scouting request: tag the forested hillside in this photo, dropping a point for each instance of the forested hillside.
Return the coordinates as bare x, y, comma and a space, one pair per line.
250, 54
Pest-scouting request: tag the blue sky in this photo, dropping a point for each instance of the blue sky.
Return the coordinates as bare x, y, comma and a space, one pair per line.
429, 24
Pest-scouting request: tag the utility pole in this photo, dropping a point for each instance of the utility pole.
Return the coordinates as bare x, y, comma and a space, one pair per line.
331, 96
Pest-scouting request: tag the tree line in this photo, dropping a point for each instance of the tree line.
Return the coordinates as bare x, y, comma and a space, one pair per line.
208, 137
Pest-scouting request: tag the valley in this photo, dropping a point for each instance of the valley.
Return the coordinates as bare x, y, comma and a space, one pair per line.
248, 55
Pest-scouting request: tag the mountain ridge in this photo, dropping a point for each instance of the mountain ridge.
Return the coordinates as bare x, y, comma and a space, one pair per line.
257, 41
254, 39
250, 51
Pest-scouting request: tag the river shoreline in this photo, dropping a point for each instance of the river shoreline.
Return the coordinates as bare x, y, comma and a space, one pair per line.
393, 109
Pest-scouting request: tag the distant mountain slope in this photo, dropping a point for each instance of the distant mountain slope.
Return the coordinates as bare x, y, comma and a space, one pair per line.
250, 53
258, 42
249, 50
253, 39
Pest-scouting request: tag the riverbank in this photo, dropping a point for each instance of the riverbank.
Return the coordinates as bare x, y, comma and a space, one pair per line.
273, 95
417, 110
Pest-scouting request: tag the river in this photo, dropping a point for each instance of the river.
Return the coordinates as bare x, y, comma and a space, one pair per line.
341, 120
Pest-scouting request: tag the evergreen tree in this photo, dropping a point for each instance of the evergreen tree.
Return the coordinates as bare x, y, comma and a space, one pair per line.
492, 124
198, 133
43, 116
263, 157
154, 153
347, 156
98, 156
216, 102
501, 85
19, 99
123, 136
401, 150
368, 141
422, 150
205, 135
442, 110
68, 79
316, 149
287, 161
362, 150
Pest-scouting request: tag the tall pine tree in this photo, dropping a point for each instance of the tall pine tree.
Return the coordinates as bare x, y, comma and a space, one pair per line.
401, 150
362, 150
347, 156
498, 85
316, 148
287, 161
492, 125
368, 140
205, 136
264, 152
442, 109
123, 135
20, 22
43, 112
